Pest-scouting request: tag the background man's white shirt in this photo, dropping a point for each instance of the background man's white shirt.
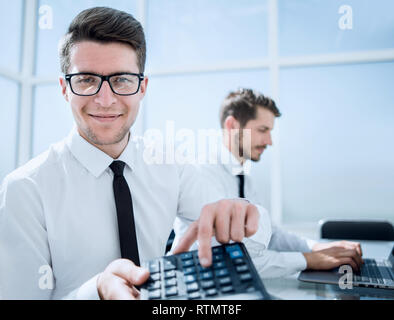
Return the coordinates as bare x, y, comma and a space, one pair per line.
284, 253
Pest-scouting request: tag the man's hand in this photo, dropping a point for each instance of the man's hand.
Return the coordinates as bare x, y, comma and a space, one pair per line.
333, 257
119, 279
342, 244
225, 219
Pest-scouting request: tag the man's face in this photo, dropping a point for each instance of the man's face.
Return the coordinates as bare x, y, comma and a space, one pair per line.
260, 135
104, 118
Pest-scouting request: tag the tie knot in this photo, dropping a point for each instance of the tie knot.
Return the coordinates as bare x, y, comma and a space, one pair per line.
117, 167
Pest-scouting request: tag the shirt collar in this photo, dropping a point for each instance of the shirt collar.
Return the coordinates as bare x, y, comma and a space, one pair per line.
92, 158
231, 163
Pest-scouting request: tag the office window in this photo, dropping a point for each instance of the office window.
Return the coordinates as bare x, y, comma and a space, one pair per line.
193, 101
52, 117
62, 13
184, 34
8, 126
11, 19
309, 27
336, 142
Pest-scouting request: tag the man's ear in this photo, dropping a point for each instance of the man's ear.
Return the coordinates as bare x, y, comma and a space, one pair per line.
144, 85
63, 85
231, 123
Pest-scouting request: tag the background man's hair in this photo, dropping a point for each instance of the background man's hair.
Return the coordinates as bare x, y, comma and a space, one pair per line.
102, 24
242, 105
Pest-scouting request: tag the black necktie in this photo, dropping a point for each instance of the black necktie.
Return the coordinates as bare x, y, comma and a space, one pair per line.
125, 213
241, 178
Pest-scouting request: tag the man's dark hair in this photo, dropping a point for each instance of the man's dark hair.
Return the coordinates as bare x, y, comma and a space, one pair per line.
242, 105
102, 24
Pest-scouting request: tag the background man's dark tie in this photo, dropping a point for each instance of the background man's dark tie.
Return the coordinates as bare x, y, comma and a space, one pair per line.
241, 179
125, 213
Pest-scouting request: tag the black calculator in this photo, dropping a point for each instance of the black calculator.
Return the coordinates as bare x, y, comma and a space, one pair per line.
232, 275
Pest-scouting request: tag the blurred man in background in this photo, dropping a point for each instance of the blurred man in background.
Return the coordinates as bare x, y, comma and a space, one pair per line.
248, 112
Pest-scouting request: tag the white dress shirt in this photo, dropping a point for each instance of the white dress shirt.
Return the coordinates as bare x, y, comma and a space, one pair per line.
57, 212
284, 255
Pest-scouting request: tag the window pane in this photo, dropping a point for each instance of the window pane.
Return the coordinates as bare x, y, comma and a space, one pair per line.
63, 13
8, 126
336, 143
10, 34
193, 102
317, 27
195, 33
52, 117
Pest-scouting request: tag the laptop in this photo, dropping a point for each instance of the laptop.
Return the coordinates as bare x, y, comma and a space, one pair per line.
373, 274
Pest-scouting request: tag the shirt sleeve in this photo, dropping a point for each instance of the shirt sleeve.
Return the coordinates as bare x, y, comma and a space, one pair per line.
193, 193
273, 264
25, 259
264, 231
87, 291
282, 240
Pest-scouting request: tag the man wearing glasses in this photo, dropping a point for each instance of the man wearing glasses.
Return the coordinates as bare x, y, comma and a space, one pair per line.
70, 214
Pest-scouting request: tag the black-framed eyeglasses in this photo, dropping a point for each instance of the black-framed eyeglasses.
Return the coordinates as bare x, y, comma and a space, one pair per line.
89, 84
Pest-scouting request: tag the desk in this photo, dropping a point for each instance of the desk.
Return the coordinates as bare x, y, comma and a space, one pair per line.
289, 288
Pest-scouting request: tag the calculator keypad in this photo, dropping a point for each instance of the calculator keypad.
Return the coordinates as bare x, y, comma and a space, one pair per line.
181, 276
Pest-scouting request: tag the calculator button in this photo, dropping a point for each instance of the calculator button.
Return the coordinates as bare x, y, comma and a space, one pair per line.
224, 281
234, 251
194, 295
169, 274
211, 292
154, 277
245, 277
235, 254
227, 289
154, 266
242, 268
192, 287
221, 272
171, 291
187, 255
169, 265
190, 278
219, 264
156, 294
217, 257
216, 250
207, 284
250, 288
237, 261
187, 263
170, 282
202, 269
154, 285
206, 275
189, 270
233, 247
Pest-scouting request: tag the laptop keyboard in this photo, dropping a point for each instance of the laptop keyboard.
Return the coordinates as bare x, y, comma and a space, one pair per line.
181, 276
370, 273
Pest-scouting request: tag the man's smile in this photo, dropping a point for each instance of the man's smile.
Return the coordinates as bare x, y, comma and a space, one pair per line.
105, 117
